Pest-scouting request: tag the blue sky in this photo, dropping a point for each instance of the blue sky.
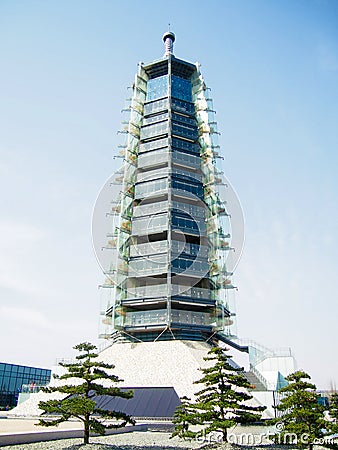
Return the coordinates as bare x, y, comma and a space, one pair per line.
273, 69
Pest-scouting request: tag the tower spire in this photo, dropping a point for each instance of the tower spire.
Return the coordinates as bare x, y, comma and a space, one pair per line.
168, 39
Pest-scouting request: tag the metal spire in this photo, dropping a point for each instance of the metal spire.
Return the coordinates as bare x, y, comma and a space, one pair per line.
168, 39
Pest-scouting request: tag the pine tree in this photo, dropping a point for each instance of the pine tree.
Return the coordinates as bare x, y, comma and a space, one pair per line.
221, 403
183, 418
79, 402
302, 415
332, 426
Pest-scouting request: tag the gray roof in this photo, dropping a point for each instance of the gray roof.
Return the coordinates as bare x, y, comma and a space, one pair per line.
147, 402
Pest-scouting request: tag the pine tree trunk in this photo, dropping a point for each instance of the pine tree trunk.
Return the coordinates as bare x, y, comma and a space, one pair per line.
86, 432
225, 435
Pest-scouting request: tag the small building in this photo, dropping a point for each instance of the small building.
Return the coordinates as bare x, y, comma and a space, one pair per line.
13, 377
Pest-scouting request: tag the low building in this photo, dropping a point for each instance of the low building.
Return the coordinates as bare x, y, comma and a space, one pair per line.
13, 377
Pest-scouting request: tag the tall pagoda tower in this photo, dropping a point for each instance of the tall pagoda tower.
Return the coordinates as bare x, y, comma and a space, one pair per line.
167, 276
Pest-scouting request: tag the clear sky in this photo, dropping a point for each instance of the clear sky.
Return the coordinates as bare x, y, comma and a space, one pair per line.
273, 69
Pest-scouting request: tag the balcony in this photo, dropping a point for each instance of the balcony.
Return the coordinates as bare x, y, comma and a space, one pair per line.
150, 225
186, 160
154, 130
145, 318
159, 317
153, 145
156, 107
156, 290
149, 248
190, 249
150, 209
192, 210
152, 174
192, 318
153, 265
153, 159
191, 267
150, 188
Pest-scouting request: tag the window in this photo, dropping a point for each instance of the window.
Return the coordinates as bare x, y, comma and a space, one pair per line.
186, 131
181, 88
154, 130
196, 189
188, 224
182, 264
184, 159
182, 106
150, 187
153, 158
185, 146
157, 88
154, 119
184, 119
155, 107
148, 146
150, 224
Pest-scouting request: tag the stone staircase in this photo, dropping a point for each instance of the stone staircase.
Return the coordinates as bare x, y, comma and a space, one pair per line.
255, 382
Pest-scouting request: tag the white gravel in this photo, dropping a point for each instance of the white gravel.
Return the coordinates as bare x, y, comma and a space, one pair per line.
126, 441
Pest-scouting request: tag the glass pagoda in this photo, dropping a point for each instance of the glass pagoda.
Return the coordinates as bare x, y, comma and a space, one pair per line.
170, 239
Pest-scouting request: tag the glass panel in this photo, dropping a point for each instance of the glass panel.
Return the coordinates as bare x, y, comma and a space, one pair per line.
154, 119
181, 88
149, 265
190, 249
184, 119
140, 318
182, 106
152, 174
157, 290
159, 143
158, 87
191, 317
185, 145
153, 208
154, 130
157, 186
185, 159
186, 291
195, 211
189, 265
192, 175
153, 158
150, 224
148, 248
186, 186
158, 106
185, 131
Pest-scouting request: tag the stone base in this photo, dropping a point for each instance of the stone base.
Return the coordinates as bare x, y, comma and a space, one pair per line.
159, 364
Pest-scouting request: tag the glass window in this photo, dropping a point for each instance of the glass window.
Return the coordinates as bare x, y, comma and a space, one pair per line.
181, 88
152, 208
150, 187
189, 187
154, 130
184, 159
185, 145
150, 224
185, 130
155, 107
184, 119
157, 88
148, 146
182, 106
154, 119
153, 158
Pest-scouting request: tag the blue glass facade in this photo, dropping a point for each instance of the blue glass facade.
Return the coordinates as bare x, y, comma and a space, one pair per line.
12, 377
